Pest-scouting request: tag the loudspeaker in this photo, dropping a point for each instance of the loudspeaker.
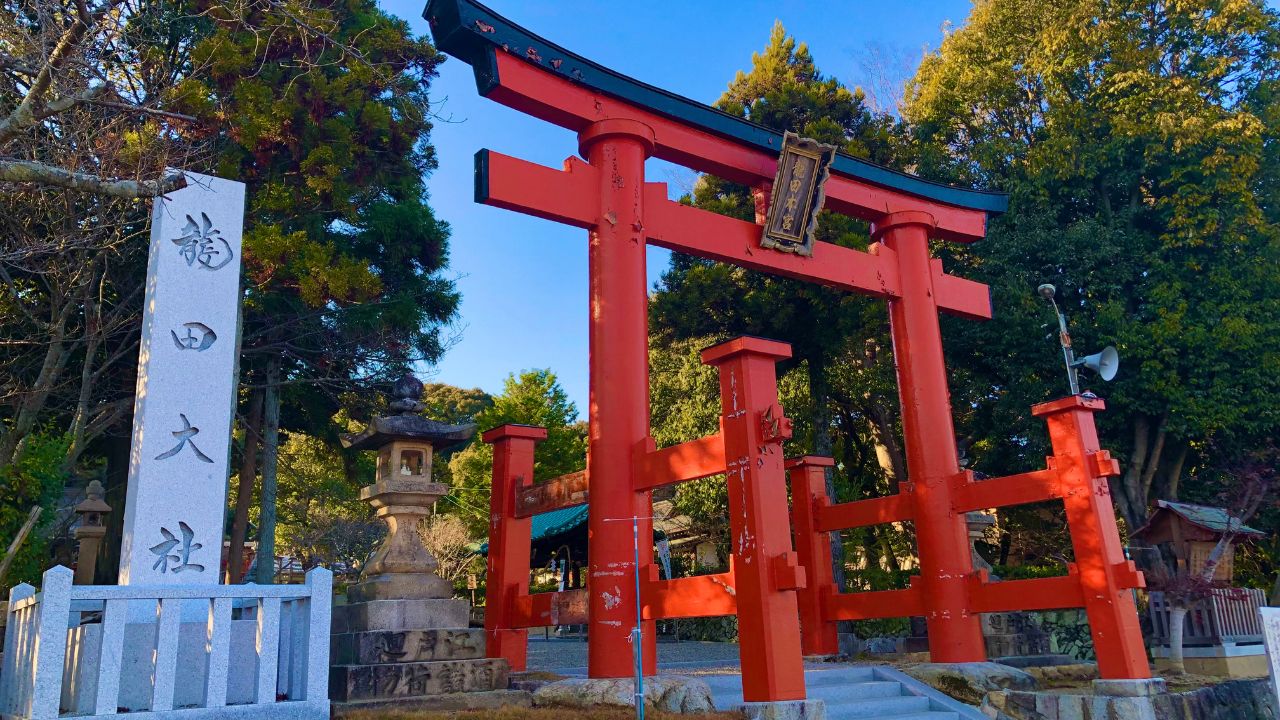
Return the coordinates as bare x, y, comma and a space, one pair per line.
1104, 363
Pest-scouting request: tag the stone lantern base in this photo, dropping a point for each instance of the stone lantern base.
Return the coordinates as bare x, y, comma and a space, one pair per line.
407, 649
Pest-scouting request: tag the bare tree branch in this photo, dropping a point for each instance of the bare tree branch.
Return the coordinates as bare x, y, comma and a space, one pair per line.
26, 171
25, 115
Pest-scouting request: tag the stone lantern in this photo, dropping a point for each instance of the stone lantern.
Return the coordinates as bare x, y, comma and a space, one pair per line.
402, 636
403, 494
90, 531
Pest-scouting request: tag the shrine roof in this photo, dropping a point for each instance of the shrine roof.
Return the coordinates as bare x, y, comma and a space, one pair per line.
552, 523
1214, 519
383, 430
474, 34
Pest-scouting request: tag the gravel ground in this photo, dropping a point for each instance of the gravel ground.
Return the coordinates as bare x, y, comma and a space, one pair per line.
569, 656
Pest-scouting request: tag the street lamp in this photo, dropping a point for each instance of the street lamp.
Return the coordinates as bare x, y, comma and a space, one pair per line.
1104, 363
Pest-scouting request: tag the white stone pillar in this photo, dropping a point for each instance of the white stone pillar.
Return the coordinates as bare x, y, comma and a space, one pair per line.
187, 377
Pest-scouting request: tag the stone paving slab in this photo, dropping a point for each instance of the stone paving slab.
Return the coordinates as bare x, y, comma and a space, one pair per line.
490, 700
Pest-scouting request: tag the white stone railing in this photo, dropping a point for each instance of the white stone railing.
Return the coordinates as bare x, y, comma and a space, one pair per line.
189, 651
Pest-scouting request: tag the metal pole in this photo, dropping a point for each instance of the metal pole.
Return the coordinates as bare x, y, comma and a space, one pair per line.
637, 635
1068, 355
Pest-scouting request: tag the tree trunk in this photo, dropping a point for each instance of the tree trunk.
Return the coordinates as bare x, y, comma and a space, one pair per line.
888, 449
1149, 435
1177, 621
819, 397
80, 419
244, 488
266, 563
886, 548
1171, 474
29, 410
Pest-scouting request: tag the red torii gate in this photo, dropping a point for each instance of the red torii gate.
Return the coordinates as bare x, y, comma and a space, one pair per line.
620, 122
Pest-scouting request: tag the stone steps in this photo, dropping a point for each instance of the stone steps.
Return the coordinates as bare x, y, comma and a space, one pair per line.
856, 693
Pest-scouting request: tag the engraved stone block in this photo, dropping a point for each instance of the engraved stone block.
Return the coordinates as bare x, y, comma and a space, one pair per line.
372, 648
406, 680
176, 496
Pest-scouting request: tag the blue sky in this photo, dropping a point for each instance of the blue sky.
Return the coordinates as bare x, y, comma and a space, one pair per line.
524, 280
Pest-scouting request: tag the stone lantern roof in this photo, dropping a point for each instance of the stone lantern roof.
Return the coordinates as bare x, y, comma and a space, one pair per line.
409, 424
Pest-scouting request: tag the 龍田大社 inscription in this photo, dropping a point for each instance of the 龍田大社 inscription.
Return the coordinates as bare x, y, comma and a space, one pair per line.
185, 437
203, 244
176, 550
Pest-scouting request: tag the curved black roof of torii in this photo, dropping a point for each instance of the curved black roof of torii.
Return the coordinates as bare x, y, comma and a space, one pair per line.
472, 33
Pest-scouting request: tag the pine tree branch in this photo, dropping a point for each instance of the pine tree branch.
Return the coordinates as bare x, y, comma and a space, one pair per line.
26, 171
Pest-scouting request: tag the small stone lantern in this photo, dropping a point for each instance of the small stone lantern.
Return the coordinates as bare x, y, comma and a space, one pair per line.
90, 531
402, 636
403, 494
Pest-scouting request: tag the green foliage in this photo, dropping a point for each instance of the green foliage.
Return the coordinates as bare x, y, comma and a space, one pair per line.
1138, 143
534, 397
320, 517
323, 111
877, 578
35, 477
1027, 572
685, 405
456, 406
885, 627
708, 629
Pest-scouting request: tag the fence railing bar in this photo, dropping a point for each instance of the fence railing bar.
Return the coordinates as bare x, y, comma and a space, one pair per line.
168, 626
298, 639
319, 607
51, 648
285, 649
218, 635
268, 648
185, 592
110, 658
10, 683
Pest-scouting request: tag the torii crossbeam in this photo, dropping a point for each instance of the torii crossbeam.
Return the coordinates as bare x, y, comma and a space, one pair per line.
620, 122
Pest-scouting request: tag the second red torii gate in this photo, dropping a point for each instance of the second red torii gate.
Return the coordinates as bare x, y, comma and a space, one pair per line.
621, 122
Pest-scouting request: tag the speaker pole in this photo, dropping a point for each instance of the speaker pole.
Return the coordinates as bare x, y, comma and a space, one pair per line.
1047, 292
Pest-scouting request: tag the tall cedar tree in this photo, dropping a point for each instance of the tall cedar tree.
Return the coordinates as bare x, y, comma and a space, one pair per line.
342, 254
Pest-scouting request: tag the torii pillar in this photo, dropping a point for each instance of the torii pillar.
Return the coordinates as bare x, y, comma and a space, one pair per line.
619, 395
